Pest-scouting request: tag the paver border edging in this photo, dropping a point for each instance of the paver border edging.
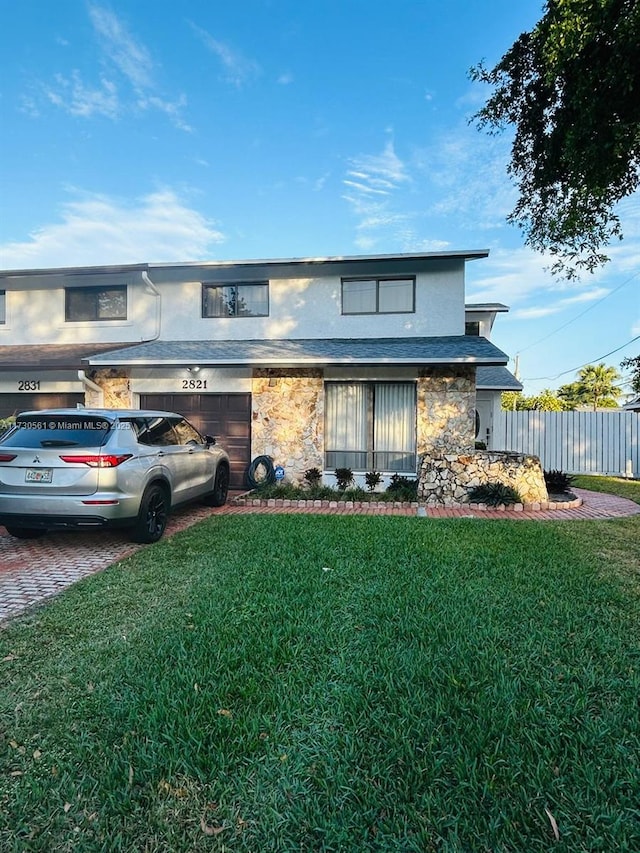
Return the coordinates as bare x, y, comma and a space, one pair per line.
291, 503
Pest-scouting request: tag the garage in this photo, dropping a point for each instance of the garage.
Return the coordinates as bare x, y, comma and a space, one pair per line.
11, 404
225, 416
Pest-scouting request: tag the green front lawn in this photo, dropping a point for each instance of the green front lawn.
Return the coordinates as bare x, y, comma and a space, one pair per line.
613, 485
308, 683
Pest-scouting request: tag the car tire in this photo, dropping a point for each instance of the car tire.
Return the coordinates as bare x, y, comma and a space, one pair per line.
218, 497
25, 532
152, 517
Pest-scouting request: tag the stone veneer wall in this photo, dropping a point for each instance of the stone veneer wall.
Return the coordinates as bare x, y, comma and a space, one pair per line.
444, 480
287, 419
446, 410
116, 389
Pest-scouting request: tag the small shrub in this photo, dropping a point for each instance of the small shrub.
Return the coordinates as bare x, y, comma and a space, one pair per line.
493, 494
344, 476
402, 488
558, 482
481, 445
6, 424
372, 479
312, 477
355, 493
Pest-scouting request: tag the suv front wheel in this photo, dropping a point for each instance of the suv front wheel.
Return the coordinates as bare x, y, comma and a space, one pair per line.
152, 517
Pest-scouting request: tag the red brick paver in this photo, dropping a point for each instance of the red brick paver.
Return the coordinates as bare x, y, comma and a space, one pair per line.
32, 570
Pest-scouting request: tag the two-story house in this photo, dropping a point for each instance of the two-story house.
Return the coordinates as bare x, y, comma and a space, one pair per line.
359, 362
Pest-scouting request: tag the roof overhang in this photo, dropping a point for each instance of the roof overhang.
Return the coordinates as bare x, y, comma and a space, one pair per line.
52, 356
310, 352
274, 268
496, 379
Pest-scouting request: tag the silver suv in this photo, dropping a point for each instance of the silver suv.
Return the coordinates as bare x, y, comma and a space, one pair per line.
88, 468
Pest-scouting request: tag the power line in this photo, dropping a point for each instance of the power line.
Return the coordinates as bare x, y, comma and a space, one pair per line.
582, 313
591, 361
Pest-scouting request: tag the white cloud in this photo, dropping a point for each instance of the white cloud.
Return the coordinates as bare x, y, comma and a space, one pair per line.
97, 229
129, 55
126, 83
371, 182
79, 100
238, 69
285, 79
385, 169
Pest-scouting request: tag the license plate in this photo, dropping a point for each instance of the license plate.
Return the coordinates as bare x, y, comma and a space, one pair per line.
39, 475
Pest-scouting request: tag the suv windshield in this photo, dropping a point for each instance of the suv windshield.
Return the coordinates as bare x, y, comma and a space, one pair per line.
57, 431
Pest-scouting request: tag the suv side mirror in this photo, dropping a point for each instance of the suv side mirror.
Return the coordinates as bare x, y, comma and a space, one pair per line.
209, 439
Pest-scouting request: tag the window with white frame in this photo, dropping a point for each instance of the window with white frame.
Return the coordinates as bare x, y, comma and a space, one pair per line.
378, 295
3, 306
95, 303
243, 299
370, 426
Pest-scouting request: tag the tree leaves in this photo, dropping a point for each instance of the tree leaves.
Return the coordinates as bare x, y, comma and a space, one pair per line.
570, 90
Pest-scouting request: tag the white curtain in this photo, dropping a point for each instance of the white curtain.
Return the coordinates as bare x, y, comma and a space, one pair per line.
394, 422
346, 417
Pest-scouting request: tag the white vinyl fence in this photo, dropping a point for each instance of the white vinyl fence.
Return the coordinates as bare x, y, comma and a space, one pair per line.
574, 442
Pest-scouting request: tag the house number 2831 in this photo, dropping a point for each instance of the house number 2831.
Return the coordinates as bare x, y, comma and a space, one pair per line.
29, 385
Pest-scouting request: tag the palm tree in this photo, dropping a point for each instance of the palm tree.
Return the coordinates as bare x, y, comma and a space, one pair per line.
597, 385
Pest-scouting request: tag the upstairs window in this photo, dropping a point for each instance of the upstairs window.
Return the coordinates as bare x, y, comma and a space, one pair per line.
244, 299
95, 303
472, 328
378, 295
3, 306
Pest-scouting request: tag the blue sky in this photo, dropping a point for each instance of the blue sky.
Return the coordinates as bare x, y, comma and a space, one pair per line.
143, 130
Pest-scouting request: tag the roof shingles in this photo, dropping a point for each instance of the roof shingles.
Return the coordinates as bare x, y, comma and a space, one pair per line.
316, 351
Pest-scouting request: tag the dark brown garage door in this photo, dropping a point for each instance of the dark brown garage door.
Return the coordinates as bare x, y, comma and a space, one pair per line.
225, 416
11, 404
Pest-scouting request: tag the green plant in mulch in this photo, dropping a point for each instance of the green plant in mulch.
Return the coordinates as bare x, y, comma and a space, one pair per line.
402, 488
372, 479
557, 482
344, 476
312, 477
494, 494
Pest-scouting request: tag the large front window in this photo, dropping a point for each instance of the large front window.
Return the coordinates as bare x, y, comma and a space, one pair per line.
370, 426
3, 307
378, 295
95, 303
235, 300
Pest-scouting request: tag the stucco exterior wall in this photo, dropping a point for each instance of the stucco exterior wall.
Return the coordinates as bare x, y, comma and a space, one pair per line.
312, 308
36, 312
446, 410
287, 419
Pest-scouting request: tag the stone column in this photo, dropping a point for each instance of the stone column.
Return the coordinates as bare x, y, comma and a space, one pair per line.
446, 410
116, 389
287, 419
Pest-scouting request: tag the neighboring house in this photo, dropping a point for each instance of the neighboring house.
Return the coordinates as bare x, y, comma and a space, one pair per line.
632, 405
360, 362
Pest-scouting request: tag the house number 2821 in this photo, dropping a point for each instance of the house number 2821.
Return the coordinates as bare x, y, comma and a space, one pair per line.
194, 384
29, 385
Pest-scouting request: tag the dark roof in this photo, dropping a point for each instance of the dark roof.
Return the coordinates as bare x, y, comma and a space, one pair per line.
498, 307
311, 351
496, 379
632, 405
60, 356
